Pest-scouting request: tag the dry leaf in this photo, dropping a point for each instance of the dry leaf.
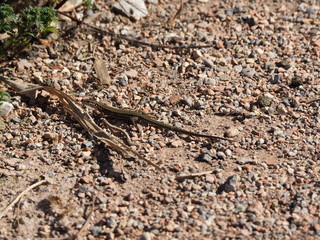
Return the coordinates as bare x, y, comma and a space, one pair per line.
102, 71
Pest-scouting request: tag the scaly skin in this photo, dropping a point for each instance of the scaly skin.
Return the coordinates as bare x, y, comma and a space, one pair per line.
133, 116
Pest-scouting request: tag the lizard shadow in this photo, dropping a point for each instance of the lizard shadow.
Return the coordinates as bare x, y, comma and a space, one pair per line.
106, 164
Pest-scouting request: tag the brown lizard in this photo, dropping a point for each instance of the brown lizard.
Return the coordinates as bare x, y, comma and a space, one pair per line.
134, 116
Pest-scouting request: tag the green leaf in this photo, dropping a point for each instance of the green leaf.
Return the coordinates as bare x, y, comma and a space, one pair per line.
52, 29
37, 20
4, 93
7, 19
5, 99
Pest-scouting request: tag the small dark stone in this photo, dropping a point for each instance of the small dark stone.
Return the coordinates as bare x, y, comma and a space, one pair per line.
275, 79
229, 185
198, 105
310, 10
280, 41
111, 222
248, 19
83, 189
206, 156
221, 155
96, 231
229, 12
145, 236
314, 31
16, 120
87, 144
284, 64
264, 101
239, 10
122, 80
296, 82
52, 53
286, 102
221, 15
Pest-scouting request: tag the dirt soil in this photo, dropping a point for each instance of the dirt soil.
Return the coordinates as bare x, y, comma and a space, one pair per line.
255, 86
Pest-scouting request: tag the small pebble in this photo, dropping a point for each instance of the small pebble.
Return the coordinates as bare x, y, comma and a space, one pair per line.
95, 167
230, 185
232, 132
228, 152
145, 236
221, 155
284, 64
265, 101
210, 81
21, 167
310, 10
111, 222
248, 72
275, 79
244, 160
5, 108
15, 119
122, 80
272, 55
296, 82
96, 231
238, 68
229, 12
23, 64
87, 144
188, 101
208, 63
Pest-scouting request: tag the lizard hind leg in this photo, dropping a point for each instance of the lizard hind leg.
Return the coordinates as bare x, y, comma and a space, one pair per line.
133, 120
128, 139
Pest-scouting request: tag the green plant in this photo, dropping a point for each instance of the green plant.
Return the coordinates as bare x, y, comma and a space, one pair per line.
88, 4
7, 19
4, 96
32, 23
37, 21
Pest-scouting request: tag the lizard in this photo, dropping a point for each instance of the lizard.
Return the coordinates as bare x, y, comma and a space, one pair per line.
134, 116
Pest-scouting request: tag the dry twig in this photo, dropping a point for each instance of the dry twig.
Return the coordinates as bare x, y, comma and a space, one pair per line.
81, 231
178, 13
192, 175
134, 40
314, 100
4, 211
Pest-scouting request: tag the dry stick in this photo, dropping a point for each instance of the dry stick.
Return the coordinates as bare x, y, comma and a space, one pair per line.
59, 5
20, 87
192, 175
177, 13
4, 211
314, 100
131, 3
86, 223
134, 39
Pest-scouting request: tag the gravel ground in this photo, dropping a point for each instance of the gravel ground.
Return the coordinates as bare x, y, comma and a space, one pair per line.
255, 86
